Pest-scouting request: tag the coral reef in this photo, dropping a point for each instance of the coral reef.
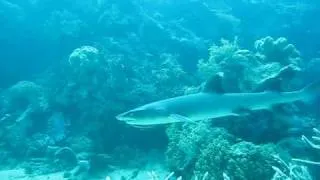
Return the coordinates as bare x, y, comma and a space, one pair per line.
75, 139
249, 69
256, 71
273, 65
66, 121
290, 171
84, 59
24, 94
25, 104
108, 56
217, 153
312, 144
277, 50
249, 161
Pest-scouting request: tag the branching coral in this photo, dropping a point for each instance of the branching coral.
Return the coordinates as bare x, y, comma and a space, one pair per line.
313, 145
289, 171
226, 54
296, 169
238, 66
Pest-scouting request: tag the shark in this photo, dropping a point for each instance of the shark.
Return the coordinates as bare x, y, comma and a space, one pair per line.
210, 104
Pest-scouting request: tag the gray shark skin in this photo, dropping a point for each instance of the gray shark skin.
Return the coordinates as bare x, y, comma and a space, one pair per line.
208, 105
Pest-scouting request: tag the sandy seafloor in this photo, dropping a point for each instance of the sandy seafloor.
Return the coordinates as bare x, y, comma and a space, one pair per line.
144, 174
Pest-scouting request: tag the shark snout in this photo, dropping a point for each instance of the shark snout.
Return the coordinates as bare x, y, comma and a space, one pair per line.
125, 117
121, 117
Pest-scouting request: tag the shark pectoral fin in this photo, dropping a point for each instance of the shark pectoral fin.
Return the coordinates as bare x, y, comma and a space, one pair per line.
143, 126
234, 115
180, 118
242, 111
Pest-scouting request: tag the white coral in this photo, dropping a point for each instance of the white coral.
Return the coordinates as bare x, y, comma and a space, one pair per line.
84, 57
277, 50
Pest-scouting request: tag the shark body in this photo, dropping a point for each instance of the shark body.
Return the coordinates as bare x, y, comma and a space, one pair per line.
208, 105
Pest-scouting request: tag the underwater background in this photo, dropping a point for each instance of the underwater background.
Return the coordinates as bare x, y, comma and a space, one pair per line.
67, 68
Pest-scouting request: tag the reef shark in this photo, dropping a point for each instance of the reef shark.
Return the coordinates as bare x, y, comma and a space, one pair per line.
208, 105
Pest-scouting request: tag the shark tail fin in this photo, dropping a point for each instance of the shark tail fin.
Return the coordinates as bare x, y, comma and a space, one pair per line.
312, 89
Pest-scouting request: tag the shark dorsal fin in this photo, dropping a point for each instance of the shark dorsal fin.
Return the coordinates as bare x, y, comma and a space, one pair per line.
214, 84
271, 84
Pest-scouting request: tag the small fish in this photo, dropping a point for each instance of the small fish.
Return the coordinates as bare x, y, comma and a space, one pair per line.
211, 104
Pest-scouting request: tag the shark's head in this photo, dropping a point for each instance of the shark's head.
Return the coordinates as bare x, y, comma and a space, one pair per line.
144, 116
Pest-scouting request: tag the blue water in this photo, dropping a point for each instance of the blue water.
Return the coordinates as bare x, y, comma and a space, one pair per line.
67, 68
